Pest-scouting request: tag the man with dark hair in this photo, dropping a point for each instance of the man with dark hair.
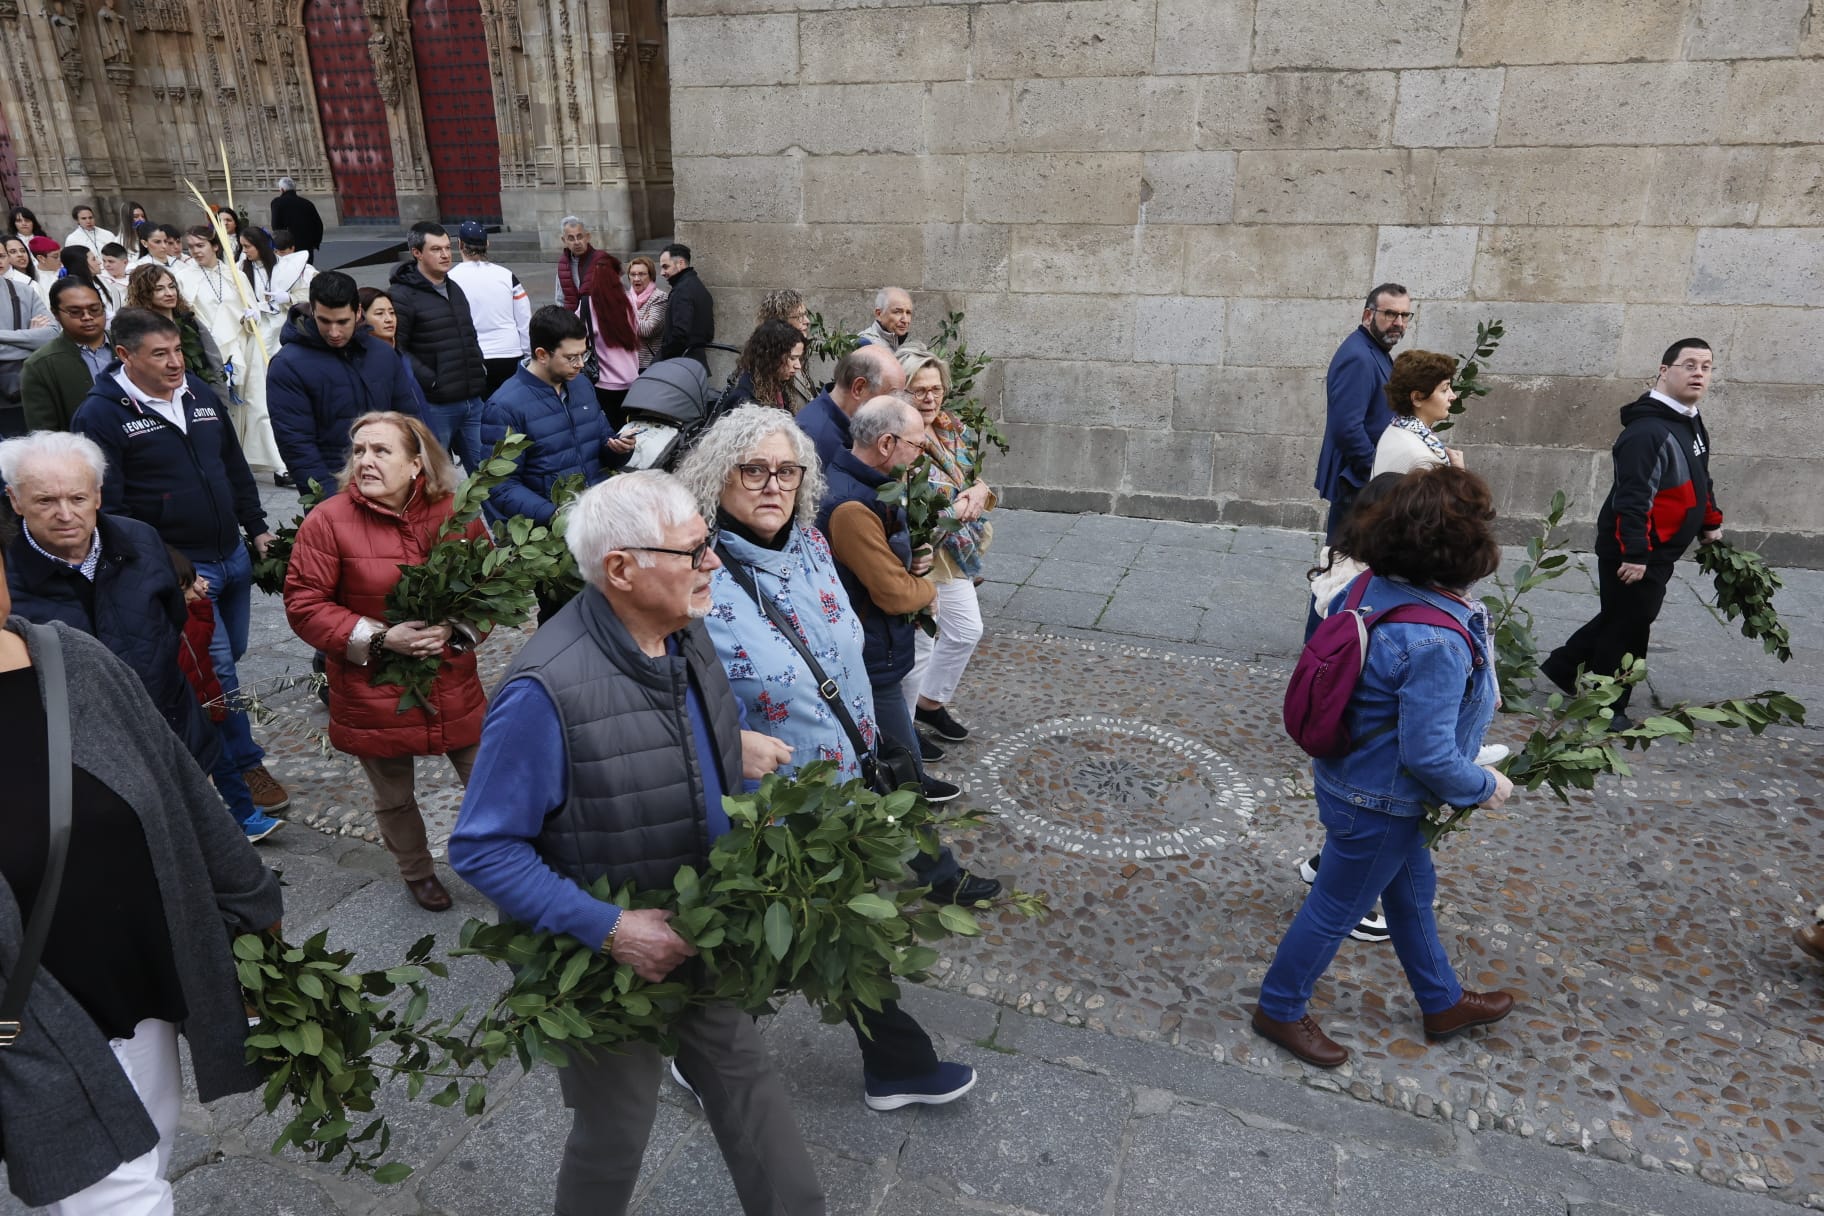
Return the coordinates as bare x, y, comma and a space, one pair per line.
173, 461
58, 375
293, 211
1661, 500
497, 304
436, 335
690, 319
861, 375
327, 374
1355, 405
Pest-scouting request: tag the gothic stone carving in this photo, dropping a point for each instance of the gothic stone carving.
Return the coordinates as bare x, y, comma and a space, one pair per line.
111, 32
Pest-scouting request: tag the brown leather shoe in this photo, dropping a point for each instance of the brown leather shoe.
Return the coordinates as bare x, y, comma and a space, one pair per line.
1303, 1039
1811, 940
1475, 1009
429, 893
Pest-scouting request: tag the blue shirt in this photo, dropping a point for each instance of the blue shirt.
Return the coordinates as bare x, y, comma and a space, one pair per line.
520, 779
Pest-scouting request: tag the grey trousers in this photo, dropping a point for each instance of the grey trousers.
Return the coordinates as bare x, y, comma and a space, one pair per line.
615, 1097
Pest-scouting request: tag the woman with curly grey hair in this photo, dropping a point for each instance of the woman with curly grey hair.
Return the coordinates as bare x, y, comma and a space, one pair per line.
756, 475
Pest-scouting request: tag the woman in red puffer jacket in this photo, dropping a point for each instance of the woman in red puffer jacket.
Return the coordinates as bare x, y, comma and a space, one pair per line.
396, 496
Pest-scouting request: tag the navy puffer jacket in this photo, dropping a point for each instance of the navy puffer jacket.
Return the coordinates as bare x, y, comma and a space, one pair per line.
315, 390
437, 336
134, 607
566, 438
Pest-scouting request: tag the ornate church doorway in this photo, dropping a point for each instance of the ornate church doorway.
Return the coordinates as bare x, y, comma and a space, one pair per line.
456, 89
355, 132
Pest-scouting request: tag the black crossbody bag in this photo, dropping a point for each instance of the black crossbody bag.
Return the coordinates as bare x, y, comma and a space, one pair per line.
38, 928
889, 764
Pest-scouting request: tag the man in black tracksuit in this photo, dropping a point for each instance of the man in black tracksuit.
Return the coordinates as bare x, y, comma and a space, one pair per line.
1661, 501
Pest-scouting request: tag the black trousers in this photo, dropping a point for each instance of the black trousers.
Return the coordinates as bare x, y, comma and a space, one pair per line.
499, 371
1620, 628
894, 1046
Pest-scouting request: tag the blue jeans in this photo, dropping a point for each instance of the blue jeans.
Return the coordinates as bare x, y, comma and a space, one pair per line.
1367, 856
894, 718
457, 425
232, 786
231, 589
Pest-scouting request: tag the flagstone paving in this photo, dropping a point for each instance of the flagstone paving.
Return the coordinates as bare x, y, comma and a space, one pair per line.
1667, 1054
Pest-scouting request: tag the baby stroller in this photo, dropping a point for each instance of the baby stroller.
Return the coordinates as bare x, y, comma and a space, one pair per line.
666, 408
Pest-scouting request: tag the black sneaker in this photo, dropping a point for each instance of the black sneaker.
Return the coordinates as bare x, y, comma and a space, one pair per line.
928, 751
966, 889
939, 722
940, 791
1620, 722
284, 480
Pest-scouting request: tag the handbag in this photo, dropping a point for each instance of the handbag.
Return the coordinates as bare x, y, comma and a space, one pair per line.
592, 363
886, 766
38, 928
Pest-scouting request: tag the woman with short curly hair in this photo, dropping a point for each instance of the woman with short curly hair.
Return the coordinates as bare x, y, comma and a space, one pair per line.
1417, 716
1420, 395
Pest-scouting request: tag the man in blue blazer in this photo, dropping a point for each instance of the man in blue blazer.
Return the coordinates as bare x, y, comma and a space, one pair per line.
1355, 408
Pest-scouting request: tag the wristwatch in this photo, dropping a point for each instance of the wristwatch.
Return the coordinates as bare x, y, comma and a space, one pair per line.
608, 942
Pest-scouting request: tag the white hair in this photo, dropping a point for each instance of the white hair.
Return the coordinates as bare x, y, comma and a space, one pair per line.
570, 221
885, 294
735, 437
881, 416
285, 183
625, 512
30, 451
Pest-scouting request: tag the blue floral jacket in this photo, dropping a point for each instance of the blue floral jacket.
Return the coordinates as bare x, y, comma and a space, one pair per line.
765, 671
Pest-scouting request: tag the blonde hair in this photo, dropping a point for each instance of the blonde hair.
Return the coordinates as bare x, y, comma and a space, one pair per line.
652, 267
916, 357
439, 472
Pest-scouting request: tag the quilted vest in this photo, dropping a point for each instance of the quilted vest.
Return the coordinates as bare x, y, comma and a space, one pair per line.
635, 808
572, 283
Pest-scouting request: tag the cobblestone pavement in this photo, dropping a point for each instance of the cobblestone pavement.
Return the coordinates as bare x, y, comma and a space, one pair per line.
1666, 1055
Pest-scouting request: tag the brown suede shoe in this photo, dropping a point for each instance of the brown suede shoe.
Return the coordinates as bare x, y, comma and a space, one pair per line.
1475, 1009
1811, 940
1303, 1039
430, 894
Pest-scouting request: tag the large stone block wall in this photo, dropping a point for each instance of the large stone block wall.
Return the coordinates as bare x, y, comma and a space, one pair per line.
1161, 215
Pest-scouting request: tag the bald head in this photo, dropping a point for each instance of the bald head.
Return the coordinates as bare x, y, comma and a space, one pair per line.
864, 373
885, 432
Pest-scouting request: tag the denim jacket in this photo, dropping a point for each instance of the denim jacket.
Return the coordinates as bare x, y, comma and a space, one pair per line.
1420, 707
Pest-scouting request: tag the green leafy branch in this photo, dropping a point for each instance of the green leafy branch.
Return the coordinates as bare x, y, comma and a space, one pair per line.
830, 344
1745, 586
1468, 381
966, 367
800, 897
1510, 623
929, 516
269, 571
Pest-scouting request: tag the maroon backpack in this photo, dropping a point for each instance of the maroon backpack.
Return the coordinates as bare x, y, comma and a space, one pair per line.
1317, 699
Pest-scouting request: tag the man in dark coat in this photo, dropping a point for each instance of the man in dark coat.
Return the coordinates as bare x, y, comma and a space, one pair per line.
606, 753
294, 212
326, 374
1355, 407
437, 337
690, 318
1661, 500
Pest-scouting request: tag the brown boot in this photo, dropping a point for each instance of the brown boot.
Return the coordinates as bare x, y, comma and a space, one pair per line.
1475, 1009
1811, 940
1302, 1038
429, 893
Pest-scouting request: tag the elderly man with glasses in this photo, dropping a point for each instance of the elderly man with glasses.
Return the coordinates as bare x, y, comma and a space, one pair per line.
606, 752
1355, 406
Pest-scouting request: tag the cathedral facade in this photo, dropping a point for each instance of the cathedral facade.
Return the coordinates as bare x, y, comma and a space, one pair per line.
384, 112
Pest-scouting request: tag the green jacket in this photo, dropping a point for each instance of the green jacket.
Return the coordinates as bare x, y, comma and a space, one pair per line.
53, 383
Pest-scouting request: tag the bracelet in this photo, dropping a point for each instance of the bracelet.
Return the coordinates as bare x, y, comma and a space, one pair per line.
608, 942
376, 643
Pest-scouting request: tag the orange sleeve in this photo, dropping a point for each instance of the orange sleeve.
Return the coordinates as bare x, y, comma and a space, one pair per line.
859, 542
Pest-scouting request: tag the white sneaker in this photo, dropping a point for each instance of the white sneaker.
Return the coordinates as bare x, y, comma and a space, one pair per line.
1493, 753
1307, 868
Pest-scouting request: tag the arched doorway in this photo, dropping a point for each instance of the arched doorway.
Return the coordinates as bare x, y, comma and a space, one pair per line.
456, 90
355, 132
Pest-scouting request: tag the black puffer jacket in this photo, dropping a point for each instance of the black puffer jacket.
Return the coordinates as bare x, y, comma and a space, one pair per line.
437, 337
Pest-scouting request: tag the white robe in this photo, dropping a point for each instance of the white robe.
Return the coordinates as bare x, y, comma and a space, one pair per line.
216, 299
94, 238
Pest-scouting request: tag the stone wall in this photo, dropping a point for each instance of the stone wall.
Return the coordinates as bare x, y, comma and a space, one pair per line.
1161, 215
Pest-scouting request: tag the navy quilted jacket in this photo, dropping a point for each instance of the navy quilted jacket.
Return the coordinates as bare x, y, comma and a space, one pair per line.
315, 390
566, 438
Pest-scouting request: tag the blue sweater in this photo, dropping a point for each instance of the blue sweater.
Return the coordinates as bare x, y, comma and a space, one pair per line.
314, 391
567, 433
1355, 413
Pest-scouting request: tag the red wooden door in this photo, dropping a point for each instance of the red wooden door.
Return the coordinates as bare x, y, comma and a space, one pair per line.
457, 92
354, 118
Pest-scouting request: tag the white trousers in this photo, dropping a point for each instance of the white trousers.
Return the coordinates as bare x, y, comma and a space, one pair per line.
138, 1187
938, 662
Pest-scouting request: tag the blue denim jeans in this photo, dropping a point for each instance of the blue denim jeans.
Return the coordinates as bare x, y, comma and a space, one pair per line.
231, 588
1367, 856
457, 425
232, 786
894, 718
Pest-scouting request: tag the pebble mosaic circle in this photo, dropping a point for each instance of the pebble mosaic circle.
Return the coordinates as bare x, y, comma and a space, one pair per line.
1116, 787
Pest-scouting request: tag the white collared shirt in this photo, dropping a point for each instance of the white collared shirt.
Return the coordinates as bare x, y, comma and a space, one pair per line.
1689, 411
171, 411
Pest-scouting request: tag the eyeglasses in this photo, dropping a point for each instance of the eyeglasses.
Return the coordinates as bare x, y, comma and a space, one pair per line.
1391, 315
934, 393
85, 314
581, 356
696, 554
755, 476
